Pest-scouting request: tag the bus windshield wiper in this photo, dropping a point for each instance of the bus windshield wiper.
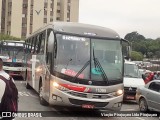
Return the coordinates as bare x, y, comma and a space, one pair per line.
81, 70
131, 76
99, 68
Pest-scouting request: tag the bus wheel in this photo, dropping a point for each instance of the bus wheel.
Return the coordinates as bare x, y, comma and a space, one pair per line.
28, 86
41, 99
25, 77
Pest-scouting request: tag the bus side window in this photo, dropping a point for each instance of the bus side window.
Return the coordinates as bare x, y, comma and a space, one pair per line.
49, 39
35, 44
39, 43
29, 45
42, 43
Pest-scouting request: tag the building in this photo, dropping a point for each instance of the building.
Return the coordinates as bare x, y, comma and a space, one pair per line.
20, 18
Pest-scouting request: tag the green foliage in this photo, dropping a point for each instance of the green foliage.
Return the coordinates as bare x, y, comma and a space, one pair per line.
148, 47
8, 37
136, 56
134, 36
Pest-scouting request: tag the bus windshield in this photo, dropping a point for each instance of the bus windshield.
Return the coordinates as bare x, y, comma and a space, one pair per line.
13, 52
91, 58
131, 70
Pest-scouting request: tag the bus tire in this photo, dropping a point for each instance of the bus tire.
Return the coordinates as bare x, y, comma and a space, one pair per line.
28, 86
25, 77
41, 99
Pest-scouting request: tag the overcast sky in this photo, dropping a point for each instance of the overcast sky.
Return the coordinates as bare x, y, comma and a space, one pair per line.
123, 16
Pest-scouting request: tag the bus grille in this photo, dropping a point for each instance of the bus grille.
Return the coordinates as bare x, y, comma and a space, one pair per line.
95, 96
82, 102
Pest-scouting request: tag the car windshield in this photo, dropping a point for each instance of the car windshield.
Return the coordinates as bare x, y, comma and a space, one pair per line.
75, 56
131, 70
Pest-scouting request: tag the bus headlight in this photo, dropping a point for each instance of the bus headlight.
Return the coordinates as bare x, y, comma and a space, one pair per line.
39, 69
119, 92
55, 84
58, 86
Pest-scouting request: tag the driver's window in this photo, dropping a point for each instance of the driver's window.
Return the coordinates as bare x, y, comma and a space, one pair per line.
155, 86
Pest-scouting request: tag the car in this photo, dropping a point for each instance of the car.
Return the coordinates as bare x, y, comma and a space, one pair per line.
148, 96
132, 80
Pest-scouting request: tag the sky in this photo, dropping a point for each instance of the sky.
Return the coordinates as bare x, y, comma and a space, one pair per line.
123, 16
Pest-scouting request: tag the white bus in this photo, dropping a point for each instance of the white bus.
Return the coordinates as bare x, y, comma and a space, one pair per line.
74, 64
12, 53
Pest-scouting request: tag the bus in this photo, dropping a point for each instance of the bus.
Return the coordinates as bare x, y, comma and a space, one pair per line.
76, 64
12, 53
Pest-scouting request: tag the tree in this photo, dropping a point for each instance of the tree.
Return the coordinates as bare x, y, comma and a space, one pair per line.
157, 54
136, 56
158, 38
134, 36
8, 37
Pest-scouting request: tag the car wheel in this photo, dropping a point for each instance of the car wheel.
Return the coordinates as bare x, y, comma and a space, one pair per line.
143, 105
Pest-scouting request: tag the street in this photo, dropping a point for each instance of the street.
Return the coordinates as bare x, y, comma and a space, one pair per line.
29, 102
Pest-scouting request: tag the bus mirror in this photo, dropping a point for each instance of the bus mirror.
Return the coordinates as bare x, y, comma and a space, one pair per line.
50, 41
126, 49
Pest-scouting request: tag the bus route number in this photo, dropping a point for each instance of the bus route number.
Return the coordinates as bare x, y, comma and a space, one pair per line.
101, 90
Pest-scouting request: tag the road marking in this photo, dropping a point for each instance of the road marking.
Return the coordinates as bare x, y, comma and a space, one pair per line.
23, 94
139, 118
130, 110
27, 94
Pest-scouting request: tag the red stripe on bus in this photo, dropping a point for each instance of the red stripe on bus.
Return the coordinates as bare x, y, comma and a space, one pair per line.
74, 87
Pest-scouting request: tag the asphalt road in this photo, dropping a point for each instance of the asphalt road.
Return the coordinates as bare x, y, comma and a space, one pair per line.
29, 106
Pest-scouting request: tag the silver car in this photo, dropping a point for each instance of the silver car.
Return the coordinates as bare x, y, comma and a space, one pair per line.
148, 96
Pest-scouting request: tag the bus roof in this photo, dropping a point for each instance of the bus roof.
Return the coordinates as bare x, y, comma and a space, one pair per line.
81, 29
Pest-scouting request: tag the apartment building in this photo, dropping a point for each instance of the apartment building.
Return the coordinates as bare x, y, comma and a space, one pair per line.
20, 18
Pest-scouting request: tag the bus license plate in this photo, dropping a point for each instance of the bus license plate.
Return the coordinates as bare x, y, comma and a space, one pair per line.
88, 106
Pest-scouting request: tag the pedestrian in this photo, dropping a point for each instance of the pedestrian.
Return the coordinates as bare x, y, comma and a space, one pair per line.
150, 77
8, 94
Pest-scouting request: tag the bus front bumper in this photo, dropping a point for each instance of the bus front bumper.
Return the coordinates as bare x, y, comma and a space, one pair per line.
62, 98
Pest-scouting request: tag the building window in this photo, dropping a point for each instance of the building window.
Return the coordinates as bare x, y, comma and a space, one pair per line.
45, 20
51, 19
24, 25
51, 13
58, 18
9, 22
45, 12
68, 15
58, 3
25, 6
23, 15
58, 11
